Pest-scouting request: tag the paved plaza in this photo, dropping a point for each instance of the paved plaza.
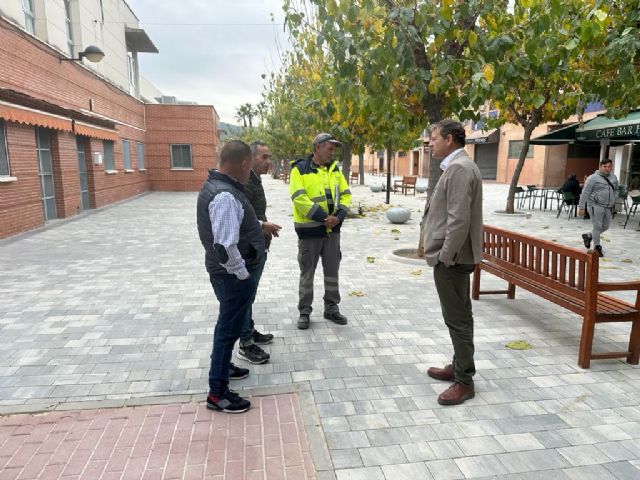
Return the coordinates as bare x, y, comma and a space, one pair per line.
112, 311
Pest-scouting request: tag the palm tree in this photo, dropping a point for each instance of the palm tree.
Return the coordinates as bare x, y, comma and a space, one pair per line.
246, 113
242, 112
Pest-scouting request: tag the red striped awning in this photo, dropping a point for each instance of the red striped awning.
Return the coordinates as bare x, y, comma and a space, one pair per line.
81, 128
30, 116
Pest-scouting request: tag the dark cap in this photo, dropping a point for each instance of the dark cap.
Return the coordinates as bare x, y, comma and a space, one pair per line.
325, 137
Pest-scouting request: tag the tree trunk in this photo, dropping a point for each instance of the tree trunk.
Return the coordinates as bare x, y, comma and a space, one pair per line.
389, 167
361, 167
346, 159
276, 168
528, 129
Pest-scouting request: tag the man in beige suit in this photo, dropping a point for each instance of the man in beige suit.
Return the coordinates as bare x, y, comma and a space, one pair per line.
452, 244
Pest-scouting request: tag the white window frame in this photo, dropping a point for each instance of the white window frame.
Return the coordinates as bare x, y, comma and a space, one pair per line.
181, 167
140, 156
28, 7
69, 25
4, 154
111, 166
126, 155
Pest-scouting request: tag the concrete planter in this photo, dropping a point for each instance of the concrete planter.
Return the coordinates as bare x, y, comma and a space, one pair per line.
376, 187
421, 188
398, 215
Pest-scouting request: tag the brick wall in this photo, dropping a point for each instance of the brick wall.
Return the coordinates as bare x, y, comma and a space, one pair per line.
30, 67
180, 124
20, 204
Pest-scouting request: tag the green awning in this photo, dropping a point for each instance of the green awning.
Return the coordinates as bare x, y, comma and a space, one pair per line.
557, 137
617, 130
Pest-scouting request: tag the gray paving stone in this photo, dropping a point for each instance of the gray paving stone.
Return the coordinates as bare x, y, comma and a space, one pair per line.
388, 455
346, 458
583, 455
623, 470
369, 473
526, 461
341, 440
408, 471
444, 469
592, 472
480, 466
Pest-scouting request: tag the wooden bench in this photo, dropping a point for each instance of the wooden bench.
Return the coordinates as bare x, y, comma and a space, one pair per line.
354, 177
406, 184
565, 276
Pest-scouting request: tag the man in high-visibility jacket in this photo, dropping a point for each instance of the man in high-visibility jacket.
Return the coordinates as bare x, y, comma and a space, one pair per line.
321, 199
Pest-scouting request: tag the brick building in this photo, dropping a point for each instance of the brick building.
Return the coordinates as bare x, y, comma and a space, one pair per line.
76, 135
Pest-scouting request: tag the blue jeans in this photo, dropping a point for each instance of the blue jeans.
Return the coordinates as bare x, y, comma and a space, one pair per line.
234, 297
246, 337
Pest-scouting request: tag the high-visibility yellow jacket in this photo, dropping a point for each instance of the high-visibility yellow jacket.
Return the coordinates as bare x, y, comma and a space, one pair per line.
317, 192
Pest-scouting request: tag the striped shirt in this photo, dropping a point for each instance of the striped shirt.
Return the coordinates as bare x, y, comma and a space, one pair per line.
226, 214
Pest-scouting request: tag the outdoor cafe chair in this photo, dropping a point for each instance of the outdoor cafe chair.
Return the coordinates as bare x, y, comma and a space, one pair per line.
533, 194
519, 196
635, 201
551, 195
621, 200
569, 200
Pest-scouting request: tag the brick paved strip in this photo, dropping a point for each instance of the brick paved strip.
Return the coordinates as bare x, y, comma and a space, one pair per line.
169, 441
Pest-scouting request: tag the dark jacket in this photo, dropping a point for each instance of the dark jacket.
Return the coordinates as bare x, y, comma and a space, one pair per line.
251, 242
254, 191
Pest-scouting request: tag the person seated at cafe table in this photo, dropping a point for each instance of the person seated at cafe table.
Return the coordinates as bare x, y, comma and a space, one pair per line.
571, 185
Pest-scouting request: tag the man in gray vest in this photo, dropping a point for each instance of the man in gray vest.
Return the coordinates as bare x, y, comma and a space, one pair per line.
599, 195
251, 339
233, 241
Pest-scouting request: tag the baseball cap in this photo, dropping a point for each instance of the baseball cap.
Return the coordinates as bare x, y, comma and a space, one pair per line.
325, 137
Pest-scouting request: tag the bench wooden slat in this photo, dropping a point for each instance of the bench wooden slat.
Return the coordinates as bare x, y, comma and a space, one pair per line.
565, 276
513, 269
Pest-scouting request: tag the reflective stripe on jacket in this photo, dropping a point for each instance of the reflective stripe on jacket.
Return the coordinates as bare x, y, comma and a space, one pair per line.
313, 192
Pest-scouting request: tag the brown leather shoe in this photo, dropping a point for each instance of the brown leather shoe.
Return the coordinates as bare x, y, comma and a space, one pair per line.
445, 373
456, 394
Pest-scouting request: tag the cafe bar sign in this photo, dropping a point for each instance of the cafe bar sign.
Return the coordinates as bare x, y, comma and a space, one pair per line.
603, 128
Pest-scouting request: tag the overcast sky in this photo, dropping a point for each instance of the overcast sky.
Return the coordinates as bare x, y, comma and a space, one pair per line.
211, 51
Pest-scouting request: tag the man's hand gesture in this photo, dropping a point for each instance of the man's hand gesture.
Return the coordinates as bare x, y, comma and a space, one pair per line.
271, 229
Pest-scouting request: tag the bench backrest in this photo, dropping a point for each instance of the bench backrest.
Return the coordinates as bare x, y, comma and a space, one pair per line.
409, 180
565, 269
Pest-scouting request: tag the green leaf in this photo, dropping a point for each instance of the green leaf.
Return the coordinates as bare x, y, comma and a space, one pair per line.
600, 15
473, 38
488, 72
538, 101
571, 44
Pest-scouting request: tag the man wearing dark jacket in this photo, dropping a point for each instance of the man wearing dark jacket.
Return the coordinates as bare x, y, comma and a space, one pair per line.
250, 339
233, 241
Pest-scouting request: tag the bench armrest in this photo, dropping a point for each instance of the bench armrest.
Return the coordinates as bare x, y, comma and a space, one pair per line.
618, 286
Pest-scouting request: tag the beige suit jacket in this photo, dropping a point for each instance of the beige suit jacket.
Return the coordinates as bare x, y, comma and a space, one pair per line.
453, 229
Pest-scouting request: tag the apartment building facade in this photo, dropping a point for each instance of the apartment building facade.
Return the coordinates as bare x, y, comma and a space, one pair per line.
77, 135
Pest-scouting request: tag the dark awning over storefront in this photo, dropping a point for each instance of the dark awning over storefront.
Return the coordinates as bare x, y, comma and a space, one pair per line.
490, 136
560, 136
616, 130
